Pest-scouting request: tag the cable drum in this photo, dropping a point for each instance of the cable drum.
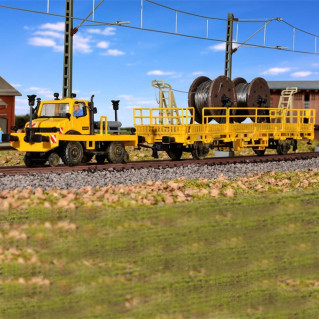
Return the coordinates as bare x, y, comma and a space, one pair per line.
201, 95
251, 95
241, 91
219, 94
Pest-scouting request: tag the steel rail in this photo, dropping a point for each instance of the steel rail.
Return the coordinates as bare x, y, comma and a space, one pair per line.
137, 165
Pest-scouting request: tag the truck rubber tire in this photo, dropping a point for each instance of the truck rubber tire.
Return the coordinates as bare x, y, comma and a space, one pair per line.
72, 153
115, 152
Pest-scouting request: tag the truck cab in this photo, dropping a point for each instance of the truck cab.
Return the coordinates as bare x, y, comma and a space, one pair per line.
69, 115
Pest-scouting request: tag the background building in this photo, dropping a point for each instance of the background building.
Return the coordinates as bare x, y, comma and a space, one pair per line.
306, 97
7, 104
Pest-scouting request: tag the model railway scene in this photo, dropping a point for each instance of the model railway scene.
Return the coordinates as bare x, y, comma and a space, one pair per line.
198, 202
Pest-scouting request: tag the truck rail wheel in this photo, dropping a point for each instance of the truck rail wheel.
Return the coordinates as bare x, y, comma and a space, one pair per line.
54, 159
87, 157
126, 158
28, 160
115, 152
72, 153
100, 158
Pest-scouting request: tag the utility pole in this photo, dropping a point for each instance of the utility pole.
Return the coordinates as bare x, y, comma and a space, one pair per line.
68, 50
229, 45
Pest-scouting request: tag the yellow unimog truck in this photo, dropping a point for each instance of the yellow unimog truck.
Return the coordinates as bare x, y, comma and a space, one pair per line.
65, 129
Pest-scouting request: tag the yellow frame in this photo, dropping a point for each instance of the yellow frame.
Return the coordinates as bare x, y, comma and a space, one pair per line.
283, 125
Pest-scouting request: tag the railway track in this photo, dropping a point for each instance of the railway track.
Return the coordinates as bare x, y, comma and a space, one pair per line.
92, 167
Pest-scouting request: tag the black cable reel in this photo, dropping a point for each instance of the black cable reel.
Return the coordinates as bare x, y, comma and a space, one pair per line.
255, 94
217, 94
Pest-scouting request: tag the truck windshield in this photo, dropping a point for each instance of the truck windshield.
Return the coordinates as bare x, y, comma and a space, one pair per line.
54, 109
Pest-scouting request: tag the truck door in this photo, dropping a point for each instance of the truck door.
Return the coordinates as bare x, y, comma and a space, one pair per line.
81, 118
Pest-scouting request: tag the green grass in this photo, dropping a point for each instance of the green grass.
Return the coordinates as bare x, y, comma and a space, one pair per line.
227, 258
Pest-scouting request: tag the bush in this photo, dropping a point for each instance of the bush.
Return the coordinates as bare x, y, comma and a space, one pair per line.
21, 120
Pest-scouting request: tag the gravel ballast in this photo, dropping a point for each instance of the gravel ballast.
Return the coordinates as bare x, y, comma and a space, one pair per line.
76, 180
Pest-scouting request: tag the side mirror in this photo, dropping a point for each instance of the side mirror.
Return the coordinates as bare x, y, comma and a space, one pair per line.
68, 115
94, 110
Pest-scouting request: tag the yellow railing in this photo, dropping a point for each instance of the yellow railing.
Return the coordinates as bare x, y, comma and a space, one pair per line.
259, 115
103, 125
163, 116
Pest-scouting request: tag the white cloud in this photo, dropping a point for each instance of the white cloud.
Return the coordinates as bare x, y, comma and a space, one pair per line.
133, 63
276, 71
59, 48
103, 44
198, 73
45, 42
21, 106
113, 52
53, 34
82, 44
221, 46
218, 47
59, 26
42, 42
16, 85
159, 72
301, 74
43, 92
107, 31
131, 101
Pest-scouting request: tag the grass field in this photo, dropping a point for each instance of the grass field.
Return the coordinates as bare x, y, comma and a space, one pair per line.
243, 257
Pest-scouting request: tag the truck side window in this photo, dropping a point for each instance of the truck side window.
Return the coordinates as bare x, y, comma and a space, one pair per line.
79, 109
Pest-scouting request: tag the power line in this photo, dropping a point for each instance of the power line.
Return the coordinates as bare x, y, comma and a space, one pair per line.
100, 23
92, 12
292, 26
179, 91
184, 12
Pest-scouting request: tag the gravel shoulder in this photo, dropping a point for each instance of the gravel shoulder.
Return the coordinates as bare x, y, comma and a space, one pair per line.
76, 180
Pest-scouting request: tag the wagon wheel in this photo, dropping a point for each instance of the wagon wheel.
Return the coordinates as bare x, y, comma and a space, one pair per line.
100, 158
115, 152
54, 159
72, 153
175, 153
259, 152
283, 147
199, 151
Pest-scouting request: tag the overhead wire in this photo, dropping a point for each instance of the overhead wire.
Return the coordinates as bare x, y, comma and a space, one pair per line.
101, 23
185, 12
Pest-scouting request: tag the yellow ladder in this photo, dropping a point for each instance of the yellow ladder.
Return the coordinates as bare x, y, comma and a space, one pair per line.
166, 100
286, 100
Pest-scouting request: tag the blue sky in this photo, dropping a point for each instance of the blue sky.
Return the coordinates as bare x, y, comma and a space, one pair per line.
120, 63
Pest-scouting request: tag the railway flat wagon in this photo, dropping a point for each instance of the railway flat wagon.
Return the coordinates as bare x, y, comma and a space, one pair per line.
174, 129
